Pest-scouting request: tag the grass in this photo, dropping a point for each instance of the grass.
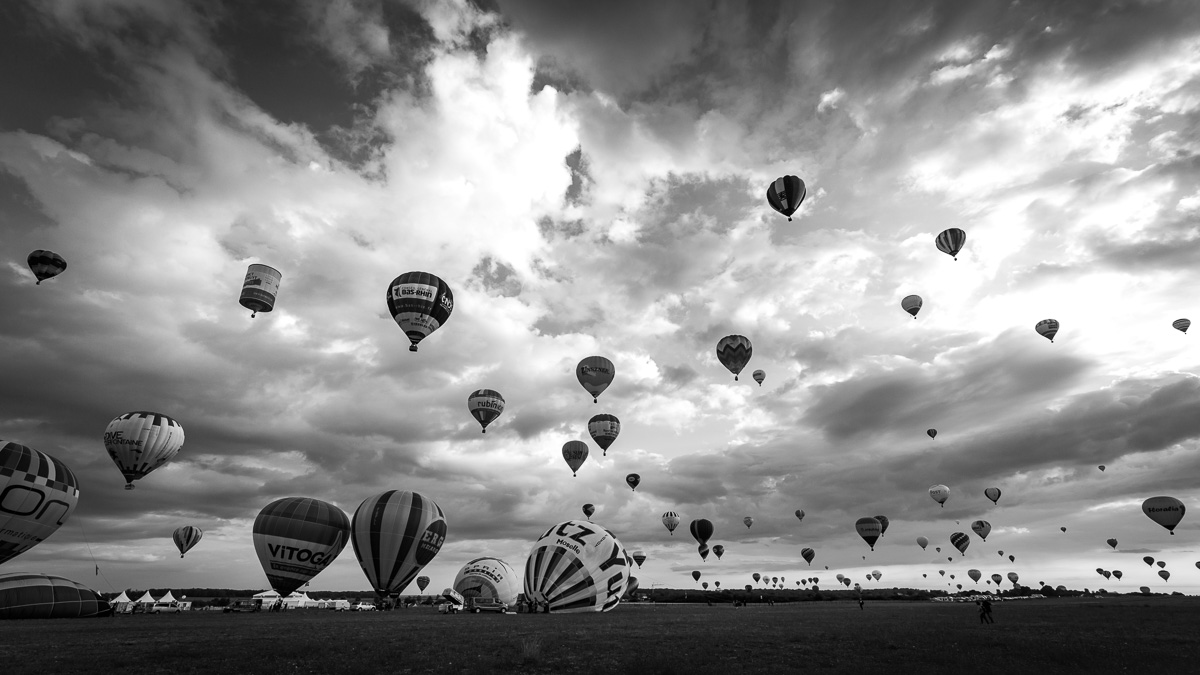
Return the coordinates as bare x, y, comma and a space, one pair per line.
1038, 636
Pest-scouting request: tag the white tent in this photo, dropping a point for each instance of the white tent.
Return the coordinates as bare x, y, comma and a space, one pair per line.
168, 598
294, 601
123, 597
145, 599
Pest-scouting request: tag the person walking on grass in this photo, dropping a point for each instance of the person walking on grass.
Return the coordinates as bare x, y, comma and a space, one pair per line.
985, 612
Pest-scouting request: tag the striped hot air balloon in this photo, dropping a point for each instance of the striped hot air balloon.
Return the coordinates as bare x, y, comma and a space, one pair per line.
297, 537
808, 554
46, 596
869, 529
485, 405
961, 541
951, 241
186, 537
420, 303
785, 194
1047, 328
759, 376
37, 495
734, 352
577, 566
670, 520
395, 534
639, 557
45, 264
701, 529
911, 304
1181, 325
604, 429
595, 373
141, 441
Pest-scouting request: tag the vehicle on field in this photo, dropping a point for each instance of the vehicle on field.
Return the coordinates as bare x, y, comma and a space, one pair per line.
452, 602
164, 608
254, 605
363, 607
477, 605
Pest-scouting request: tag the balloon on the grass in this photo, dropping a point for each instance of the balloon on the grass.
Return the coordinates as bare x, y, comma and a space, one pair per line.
395, 534
296, 538
46, 596
419, 303
141, 441
490, 579
38, 494
577, 566
186, 537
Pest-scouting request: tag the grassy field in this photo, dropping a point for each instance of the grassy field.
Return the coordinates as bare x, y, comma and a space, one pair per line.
1136, 635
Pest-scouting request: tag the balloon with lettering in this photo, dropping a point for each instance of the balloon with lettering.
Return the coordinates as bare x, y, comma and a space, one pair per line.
961, 542
748, 521
420, 303
588, 510
395, 534
992, 493
1112, 543
604, 429
1047, 328
808, 554
422, 582
670, 520
639, 557
734, 352
701, 529
883, 524
26, 595
577, 566
485, 405
489, 579
718, 551
38, 494
951, 241
911, 304
869, 529
785, 194
595, 373
47, 264
296, 538
633, 480
759, 376
186, 537
981, 528
140, 442
1166, 511
1181, 325
922, 542
975, 575
574, 453
939, 494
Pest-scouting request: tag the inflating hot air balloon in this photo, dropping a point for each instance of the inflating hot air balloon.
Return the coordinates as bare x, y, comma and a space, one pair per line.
939, 493
604, 430
140, 442
670, 519
759, 376
922, 542
595, 373
45, 264
420, 303
488, 579
703, 550
951, 241
734, 352
911, 304
631, 588
869, 529
588, 510
808, 554
701, 529
1166, 511
800, 514
785, 194
960, 541
1165, 575
297, 537
981, 528
883, 524
37, 495
639, 557
260, 288
718, 550
577, 566
395, 534
46, 596
1181, 325
975, 575
1112, 543
1047, 328
575, 452
485, 405
186, 537
748, 521
992, 493
632, 480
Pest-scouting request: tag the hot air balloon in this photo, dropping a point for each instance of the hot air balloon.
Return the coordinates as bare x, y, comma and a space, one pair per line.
719, 550
1107, 574
869, 529
1012, 558
960, 541
932, 433
1047, 328
186, 537
981, 528
759, 376
808, 554
922, 542
631, 589
1161, 563
588, 510
46, 596
485, 405
911, 304
703, 550
749, 587
877, 574
939, 493
488, 579
951, 241
1063, 529
595, 373
1165, 575
942, 572
37, 495
883, 524
297, 537
420, 303
992, 493
975, 575
422, 582
701, 529
260, 288
938, 549
1149, 560
639, 557
756, 577
1166, 511
748, 521
46, 264
1117, 574
1112, 543
140, 442
704, 585
997, 578
577, 566
799, 514
575, 452
774, 580
785, 194
1101, 467
395, 534
734, 351
1144, 589
717, 584
632, 480
1013, 577
1181, 325
604, 430
671, 520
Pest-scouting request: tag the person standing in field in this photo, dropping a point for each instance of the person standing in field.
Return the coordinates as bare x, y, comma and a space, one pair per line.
985, 612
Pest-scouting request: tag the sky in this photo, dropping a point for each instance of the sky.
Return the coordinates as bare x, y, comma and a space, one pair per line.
590, 179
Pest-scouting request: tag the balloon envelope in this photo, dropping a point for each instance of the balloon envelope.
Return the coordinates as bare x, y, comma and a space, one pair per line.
748, 521
37, 495
911, 304
395, 534
808, 554
419, 303
869, 529
422, 582
604, 429
922, 542
1181, 325
485, 405
577, 566
46, 596
961, 541
1164, 574
696, 575
490, 579
975, 575
588, 510
939, 493
701, 529
141, 441
595, 373
951, 241
997, 578
718, 550
45, 264
883, 524
186, 537
981, 528
639, 557
1112, 543
785, 194
1149, 560
574, 453
670, 520
296, 538
633, 480
800, 514
759, 376
1013, 577
1166, 511
734, 352
1047, 328
992, 493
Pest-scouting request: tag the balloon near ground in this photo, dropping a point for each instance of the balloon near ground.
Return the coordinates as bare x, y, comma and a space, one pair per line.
734, 352
139, 442
1166, 511
489, 579
696, 575
595, 373
422, 583
260, 288
604, 430
38, 494
46, 596
485, 405
296, 538
45, 264
419, 303
186, 537
785, 194
395, 534
1181, 325
577, 566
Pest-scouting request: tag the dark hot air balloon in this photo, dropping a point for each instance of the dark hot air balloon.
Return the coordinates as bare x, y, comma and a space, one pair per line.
296, 538
734, 352
420, 303
785, 194
186, 537
45, 264
604, 429
951, 241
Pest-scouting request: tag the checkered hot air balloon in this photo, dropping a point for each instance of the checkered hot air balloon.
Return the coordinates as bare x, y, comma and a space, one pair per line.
395, 534
186, 537
420, 303
141, 441
785, 194
45, 264
951, 241
38, 494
